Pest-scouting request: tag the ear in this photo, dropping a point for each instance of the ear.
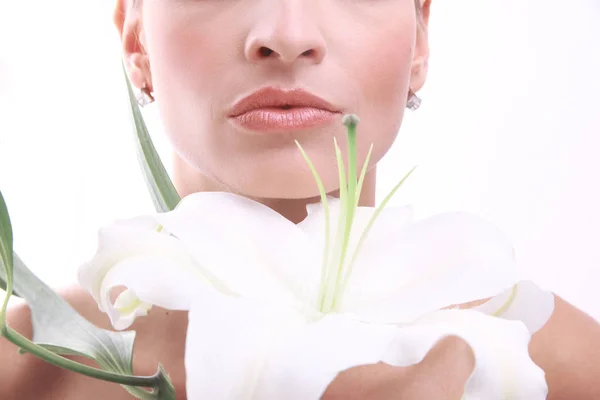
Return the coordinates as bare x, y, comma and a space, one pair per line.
421, 56
128, 21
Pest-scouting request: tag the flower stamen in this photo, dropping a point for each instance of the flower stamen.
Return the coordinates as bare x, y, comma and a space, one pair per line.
335, 271
323, 195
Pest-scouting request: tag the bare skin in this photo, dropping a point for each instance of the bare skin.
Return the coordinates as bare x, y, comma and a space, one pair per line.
564, 348
197, 58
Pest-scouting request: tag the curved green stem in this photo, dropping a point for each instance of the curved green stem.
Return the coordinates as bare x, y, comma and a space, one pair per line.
60, 361
323, 194
370, 224
329, 293
351, 203
6, 255
363, 173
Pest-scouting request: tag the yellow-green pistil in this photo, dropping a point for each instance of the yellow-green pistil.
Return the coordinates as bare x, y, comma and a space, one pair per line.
336, 270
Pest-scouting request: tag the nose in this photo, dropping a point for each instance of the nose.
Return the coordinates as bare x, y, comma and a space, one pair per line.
288, 31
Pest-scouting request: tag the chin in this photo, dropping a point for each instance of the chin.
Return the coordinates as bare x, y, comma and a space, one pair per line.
285, 182
284, 174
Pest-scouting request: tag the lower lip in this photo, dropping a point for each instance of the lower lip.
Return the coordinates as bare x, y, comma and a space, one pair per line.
279, 120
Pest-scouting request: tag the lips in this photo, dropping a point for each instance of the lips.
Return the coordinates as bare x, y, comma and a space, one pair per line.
277, 98
272, 109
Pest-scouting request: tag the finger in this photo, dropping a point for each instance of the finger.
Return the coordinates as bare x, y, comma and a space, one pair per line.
373, 382
446, 368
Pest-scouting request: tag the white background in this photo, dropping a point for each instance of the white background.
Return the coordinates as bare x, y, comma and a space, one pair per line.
509, 129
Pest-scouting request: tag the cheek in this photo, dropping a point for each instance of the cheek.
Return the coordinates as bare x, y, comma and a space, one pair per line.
384, 70
185, 58
182, 58
387, 75
195, 63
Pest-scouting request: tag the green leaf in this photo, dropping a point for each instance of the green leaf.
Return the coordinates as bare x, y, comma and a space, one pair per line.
163, 192
6, 234
59, 329
6, 240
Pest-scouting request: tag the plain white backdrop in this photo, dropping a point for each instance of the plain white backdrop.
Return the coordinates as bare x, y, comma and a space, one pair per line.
509, 129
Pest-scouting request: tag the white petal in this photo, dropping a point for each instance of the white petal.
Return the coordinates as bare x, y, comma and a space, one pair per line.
504, 369
227, 344
153, 280
448, 259
390, 221
524, 302
252, 249
127, 308
313, 209
238, 349
115, 242
154, 266
304, 362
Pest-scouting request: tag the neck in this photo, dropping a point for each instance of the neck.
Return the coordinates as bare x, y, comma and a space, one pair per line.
188, 180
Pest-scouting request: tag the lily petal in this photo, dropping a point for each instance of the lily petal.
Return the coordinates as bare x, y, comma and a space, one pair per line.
304, 362
151, 280
239, 349
389, 222
300, 362
503, 370
451, 258
524, 302
129, 307
255, 251
153, 266
227, 345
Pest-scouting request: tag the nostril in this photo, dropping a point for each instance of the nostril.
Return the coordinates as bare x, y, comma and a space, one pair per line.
265, 51
308, 52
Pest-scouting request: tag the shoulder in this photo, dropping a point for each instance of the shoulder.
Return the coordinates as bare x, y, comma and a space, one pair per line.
567, 348
154, 342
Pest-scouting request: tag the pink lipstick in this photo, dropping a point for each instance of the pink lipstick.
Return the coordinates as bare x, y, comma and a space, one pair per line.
276, 110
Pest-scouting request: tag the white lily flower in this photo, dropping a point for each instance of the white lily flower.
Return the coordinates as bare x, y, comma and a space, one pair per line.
277, 310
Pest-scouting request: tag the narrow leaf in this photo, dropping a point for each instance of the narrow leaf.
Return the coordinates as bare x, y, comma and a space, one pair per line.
6, 240
59, 329
161, 188
6, 234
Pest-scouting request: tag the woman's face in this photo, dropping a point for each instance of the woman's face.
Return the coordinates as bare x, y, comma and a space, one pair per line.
200, 57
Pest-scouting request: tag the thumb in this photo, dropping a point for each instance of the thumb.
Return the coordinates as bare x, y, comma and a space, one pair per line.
448, 366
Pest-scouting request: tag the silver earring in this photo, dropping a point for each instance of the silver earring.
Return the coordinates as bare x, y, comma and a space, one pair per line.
414, 102
144, 97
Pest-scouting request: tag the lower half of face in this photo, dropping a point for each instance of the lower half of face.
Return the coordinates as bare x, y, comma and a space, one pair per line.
205, 56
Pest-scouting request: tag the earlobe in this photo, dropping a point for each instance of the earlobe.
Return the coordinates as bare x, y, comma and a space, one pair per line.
419, 73
139, 71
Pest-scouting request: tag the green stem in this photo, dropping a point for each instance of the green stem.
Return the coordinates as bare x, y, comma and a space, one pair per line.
9, 288
351, 174
370, 224
60, 361
329, 293
363, 173
323, 193
350, 123
53, 358
7, 261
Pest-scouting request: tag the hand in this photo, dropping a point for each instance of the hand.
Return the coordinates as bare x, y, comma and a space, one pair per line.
441, 375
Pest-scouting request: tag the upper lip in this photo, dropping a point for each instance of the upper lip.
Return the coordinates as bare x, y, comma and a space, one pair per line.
275, 97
